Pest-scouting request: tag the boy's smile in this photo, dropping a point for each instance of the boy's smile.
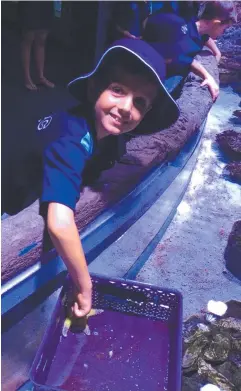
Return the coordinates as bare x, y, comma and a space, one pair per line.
122, 105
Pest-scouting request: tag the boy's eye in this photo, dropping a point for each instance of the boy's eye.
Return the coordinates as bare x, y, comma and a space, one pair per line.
117, 89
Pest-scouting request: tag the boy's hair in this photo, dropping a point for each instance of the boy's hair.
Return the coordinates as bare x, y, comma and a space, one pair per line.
124, 62
225, 11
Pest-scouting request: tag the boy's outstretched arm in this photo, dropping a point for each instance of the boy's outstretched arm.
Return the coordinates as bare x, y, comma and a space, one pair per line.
64, 234
213, 47
125, 33
209, 81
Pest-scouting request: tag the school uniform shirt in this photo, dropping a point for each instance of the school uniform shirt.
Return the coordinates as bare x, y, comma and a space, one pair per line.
200, 40
181, 67
71, 157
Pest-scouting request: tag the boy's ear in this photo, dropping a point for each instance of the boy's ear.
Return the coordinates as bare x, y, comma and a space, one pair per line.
216, 21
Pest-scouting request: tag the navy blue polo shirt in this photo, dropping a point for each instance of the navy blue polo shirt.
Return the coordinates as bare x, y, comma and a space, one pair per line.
71, 156
68, 142
200, 40
182, 65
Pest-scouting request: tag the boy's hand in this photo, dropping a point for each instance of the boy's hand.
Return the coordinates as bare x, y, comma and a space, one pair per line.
82, 303
212, 85
127, 34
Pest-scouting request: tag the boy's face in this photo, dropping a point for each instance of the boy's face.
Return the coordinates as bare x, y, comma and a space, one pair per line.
217, 28
121, 106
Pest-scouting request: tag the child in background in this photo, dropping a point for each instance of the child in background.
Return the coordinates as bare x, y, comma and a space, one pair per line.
127, 19
123, 90
179, 41
213, 19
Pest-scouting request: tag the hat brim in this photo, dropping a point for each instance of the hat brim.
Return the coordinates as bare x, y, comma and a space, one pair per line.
154, 119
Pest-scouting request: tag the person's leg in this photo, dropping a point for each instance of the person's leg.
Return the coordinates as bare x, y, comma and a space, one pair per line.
26, 45
39, 51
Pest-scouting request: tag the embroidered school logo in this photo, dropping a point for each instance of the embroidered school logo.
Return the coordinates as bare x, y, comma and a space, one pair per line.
87, 142
184, 29
44, 123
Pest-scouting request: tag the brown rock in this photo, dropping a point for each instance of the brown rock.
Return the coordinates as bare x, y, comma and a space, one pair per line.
190, 384
229, 44
233, 170
237, 113
230, 143
232, 253
211, 375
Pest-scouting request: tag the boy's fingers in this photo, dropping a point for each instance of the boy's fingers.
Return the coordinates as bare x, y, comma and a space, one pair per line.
80, 312
203, 83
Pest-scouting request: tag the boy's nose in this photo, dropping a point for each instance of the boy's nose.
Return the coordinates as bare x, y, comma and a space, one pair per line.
126, 104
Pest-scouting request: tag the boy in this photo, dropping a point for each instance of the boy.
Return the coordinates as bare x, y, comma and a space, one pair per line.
125, 85
214, 18
179, 41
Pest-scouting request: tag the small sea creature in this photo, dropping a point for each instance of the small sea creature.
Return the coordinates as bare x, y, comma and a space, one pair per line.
66, 327
79, 324
211, 318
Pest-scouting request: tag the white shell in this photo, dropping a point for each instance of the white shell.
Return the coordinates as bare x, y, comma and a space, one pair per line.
217, 307
210, 387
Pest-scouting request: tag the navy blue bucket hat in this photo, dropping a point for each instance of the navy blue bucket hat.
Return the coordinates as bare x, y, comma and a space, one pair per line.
168, 34
157, 117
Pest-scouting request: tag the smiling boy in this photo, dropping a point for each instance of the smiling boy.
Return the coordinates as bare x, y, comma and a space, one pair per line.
116, 97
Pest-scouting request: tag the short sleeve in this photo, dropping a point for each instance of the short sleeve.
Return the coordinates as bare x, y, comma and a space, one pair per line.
63, 164
181, 66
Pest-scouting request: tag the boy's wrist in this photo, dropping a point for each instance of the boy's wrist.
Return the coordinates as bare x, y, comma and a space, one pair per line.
84, 283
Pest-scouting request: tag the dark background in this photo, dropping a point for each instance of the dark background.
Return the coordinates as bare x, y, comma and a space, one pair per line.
70, 51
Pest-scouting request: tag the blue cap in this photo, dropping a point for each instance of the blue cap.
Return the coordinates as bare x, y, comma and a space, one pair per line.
168, 33
156, 117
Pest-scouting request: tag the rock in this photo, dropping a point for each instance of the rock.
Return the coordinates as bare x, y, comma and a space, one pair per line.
233, 170
205, 346
193, 352
218, 350
234, 309
235, 358
190, 384
190, 326
232, 372
231, 324
237, 113
211, 375
232, 253
227, 369
230, 143
196, 333
229, 44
